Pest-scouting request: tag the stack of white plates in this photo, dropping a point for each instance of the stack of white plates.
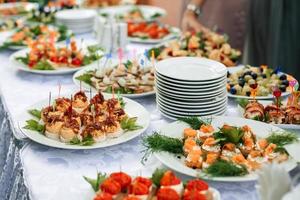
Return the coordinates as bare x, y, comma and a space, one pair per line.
79, 21
188, 86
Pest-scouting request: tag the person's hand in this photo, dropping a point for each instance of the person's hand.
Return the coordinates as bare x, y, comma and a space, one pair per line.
190, 22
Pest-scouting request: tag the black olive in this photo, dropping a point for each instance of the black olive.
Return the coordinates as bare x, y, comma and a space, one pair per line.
248, 93
179, 157
247, 73
282, 88
285, 82
264, 75
228, 74
231, 85
283, 77
254, 75
233, 90
241, 82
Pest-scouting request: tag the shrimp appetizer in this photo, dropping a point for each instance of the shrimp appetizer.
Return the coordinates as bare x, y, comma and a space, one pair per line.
202, 44
82, 121
273, 113
25, 35
225, 151
48, 56
164, 185
125, 78
145, 30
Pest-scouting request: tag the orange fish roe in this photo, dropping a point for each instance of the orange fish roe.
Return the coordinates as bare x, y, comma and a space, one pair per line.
189, 132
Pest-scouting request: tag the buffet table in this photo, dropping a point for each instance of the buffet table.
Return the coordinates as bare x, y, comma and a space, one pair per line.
33, 171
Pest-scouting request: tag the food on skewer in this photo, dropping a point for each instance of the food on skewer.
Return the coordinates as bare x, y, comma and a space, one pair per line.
164, 185
151, 30
126, 78
82, 121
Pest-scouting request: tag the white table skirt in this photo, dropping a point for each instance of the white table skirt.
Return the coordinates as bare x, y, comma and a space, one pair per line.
51, 173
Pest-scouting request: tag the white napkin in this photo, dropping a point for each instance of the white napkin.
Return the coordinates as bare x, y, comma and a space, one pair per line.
273, 182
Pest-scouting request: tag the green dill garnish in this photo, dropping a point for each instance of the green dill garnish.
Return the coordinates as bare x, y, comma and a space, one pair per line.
225, 168
129, 124
281, 138
35, 112
93, 54
242, 102
34, 126
43, 65
157, 175
121, 100
128, 64
87, 141
229, 134
161, 143
121, 90
156, 51
24, 60
194, 122
86, 78
95, 183
155, 15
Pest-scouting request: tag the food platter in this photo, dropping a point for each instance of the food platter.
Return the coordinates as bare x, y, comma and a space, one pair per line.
132, 108
261, 130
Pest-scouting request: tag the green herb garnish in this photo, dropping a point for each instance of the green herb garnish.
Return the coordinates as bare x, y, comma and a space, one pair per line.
229, 134
121, 90
87, 141
282, 138
86, 78
157, 176
242, 102
161, 143
34, 126
35, 112
225, 168
95, 183
155, 15
43, 65
24, 60
129, 124
195, 122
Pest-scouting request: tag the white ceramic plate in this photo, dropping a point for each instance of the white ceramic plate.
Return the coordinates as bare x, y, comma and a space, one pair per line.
27, 7
148, 11
178, 105
193, 84
191, 69
261, 130
174, 108
132, 108
77, 15
187, 103
21, 66
283, 126
87, 87
175, 116
174, 32
270, 96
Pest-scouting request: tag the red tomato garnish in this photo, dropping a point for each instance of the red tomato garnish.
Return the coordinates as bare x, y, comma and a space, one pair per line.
193, 195
131, 198
111, 186
169, 178
197, 184
31, 63
138, 188
76, 61
121, 178
167, 194
63, 60
103, 196
143, 180
54, 59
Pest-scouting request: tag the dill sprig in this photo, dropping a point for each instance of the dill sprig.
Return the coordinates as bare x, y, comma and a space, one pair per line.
225, 168
161, 143
195, 122
281, 138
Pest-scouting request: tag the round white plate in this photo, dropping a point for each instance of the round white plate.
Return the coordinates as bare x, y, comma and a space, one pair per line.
21, 66
132, 108
190, 83
208, 104
191, 103
194, 90
87, 87
27, 6
147, 11
77, 15
174, 32
270, 96
181, 86
217, 108
261, 130
183, 113
191, 69
218, 93
283, 126
193, 93
175, 116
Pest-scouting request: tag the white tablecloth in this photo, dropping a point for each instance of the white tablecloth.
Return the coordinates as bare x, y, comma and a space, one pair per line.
52, 174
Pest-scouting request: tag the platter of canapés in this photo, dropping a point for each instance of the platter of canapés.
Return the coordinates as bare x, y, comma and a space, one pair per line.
242, 80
